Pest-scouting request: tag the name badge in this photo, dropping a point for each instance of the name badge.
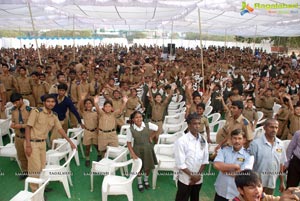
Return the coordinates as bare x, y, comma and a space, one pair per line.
241, 159
279, 150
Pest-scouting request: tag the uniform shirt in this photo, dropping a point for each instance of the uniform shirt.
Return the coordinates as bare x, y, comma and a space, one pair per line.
225, 185
294, 123
107, 121
250, 114
25, 111
203, 123
152, 127
41, 122
74, 91
293, 148
24, 85
9, 81
90, 119
190, 152
267, 159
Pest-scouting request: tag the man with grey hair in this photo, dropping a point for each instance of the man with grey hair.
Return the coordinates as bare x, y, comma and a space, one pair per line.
191, 156
269, 157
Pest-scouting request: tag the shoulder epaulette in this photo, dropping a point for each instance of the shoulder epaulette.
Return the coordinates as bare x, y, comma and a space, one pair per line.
38, 109
245, 122
28, 108
55, 113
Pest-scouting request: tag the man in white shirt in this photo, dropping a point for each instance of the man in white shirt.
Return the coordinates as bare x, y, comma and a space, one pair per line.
191, 156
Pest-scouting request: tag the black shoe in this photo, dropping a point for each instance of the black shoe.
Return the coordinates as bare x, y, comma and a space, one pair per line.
147, 185
23, 176
87, 163
47, 189
141, 187
99, 158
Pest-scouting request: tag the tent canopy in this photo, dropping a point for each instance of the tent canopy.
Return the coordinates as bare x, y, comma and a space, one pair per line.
258, 18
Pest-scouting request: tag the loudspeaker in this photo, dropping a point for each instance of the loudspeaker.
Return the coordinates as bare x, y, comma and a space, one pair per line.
173, 48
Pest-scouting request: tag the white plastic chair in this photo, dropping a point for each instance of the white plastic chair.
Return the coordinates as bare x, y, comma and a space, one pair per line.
75, 134
214, 117
102, 167
26, 195
174, 119
169, 138
208, 110
26, 102
60, 150
213, 134
166, 160
276, 108
258, 132
122, 137
174, 112
176, 105
60, 173
9, 104
119, 185
4, 128
173, 128
9, 150
8, 112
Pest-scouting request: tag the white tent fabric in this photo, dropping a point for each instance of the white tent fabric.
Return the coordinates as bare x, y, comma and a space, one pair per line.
268, 18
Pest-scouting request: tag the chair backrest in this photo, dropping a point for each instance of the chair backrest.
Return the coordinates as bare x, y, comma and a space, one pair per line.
124, 129
26, 102
8, 111
258, 132
164, 149
71, 155
208, 110
135, 169
214, 117
260, 115
276, 107
39, 193
219, 123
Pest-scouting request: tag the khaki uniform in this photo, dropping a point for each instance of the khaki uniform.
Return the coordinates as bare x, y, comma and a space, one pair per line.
231, 124
258, 103
107, 130
109, 91
95, 87
131, 104
236, 98
203, 124
10, 84
282, 118
293, 124
39, 90
25, 89
75, 95
20, 133
148, 70
53, 89
85, 89
50, 79
158, 111
125, 78
136, 78
2, 102
117, 105
41, 122
267, 106
91, 127
250, 114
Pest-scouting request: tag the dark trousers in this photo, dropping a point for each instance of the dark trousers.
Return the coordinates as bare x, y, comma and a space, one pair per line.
293, 176
219, 198
184, 192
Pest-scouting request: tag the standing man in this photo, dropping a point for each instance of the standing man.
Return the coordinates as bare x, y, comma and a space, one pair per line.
230, 161
9, 81
191, 156
25, 86
40, 122
19, 116
269, 157
61, 79
293, 163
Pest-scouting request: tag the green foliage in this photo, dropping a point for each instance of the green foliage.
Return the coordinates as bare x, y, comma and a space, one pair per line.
12, 33
249, 40
195, 36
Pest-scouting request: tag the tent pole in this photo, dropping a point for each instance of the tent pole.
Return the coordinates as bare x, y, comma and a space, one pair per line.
74, 39
225, 43
201, 49
254, 39
20, 37
171, 49
33, 28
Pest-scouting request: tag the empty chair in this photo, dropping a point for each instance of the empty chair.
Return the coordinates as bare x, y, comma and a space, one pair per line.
276, 108
260, 119
26, 102
173, 128
60, 173
122, 136
103, 167
165, 158
60, 150
169, 138
174, 119
75, 134
286, 144
214, 117
26, 195
9, 150
173, 112
208, 110
4, 128
120, 185
8, 112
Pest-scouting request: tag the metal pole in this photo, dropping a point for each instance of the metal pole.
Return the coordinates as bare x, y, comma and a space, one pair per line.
254, 40
201, 49
74, 54
33, 28
225, 43
171, 49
